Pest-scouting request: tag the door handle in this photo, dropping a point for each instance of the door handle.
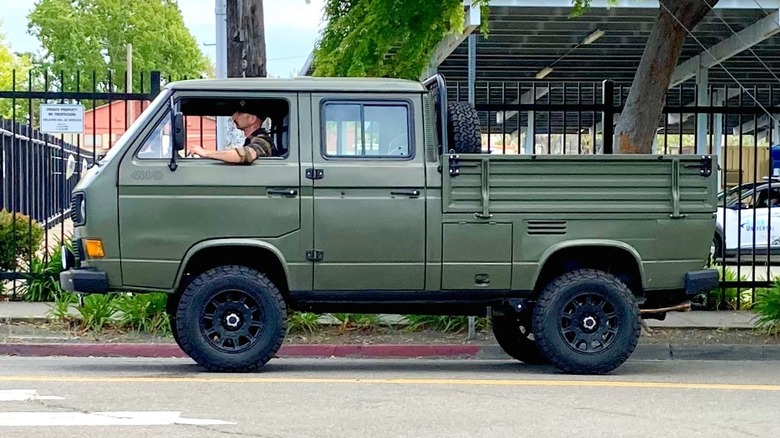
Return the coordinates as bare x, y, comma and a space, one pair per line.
288, 193
412, 193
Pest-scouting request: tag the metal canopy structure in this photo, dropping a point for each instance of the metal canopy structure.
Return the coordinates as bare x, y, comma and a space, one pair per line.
526, 36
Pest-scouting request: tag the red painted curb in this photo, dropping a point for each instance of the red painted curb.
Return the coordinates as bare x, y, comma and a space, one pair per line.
290, 350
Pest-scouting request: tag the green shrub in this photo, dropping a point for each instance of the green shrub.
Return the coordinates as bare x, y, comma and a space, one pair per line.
43, 282
303, 322
98, 312
60, 309
20, 237
443, 323
720, 298
768, 309
356, 321
144, 312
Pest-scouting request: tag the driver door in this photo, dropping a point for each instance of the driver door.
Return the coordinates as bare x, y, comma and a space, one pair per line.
163, 213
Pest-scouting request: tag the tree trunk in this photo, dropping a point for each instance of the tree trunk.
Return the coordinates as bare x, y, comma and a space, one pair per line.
639, 122
245, 39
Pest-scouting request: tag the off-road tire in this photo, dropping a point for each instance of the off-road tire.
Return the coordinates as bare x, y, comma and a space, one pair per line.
263, 309
555, 337
717, 252
512, 334
463, 134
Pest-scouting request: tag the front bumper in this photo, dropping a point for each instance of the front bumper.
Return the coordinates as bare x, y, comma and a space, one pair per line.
697, 282
87, 281
81, 280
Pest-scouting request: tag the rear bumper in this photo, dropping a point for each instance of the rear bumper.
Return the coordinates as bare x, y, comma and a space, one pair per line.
697, 282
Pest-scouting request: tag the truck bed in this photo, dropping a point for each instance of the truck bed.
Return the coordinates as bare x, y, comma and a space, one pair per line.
668, 186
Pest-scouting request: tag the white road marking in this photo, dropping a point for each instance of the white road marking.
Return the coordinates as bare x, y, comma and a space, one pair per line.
25, 395
152, 418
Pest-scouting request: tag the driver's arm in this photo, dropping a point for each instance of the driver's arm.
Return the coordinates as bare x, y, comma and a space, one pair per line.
241, 155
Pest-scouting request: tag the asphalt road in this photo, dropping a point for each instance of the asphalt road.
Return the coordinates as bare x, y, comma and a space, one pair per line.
67, 397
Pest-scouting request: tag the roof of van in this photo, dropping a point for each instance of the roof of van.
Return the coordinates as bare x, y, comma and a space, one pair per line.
303, 83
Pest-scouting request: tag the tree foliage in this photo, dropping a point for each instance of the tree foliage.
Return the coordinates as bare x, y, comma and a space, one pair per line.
10, 63
385, 38
89, 36
392, 38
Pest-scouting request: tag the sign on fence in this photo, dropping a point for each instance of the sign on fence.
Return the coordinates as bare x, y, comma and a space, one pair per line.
62, 119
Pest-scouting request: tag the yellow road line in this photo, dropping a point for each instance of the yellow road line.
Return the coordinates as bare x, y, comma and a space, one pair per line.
456, 382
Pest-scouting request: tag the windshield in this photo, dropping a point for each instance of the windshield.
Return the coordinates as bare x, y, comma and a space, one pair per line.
733, 194
161, 99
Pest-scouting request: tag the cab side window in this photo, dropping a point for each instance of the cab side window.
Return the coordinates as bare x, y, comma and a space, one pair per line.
201, 116
367, 130
158, 144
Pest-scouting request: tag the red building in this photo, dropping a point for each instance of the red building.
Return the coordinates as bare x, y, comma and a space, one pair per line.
104, 125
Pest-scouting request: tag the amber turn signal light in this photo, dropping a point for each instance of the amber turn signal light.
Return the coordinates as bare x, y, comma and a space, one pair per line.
94, 248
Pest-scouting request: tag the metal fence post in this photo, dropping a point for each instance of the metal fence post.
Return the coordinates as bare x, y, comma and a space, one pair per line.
607, 99
155, 78
472, 97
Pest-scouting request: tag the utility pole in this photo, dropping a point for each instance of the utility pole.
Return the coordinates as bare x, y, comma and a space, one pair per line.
220, 12
245, 39
130, 113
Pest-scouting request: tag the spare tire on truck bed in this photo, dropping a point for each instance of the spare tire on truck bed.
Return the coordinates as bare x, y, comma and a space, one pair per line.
463, 134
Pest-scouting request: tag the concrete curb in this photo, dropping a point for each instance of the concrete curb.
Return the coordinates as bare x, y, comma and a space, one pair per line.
485, 352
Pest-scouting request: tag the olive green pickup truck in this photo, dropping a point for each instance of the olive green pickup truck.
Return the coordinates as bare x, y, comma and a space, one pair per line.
380, 200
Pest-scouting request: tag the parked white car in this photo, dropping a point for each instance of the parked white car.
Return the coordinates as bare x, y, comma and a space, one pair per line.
750, 221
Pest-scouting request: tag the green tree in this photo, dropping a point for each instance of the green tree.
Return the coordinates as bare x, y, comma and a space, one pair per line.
396, 38
86, 36
12, 67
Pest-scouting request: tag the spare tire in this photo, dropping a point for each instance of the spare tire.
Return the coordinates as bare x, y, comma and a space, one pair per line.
463, 133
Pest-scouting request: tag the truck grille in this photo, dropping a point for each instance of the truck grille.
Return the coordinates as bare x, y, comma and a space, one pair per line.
75, 211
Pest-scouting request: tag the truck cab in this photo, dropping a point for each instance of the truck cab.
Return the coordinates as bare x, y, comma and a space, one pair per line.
380, 201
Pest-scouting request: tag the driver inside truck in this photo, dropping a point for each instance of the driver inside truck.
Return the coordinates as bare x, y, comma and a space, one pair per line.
258, 141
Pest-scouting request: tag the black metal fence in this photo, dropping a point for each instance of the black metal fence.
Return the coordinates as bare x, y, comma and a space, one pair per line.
39, 172
41, 169
737, 123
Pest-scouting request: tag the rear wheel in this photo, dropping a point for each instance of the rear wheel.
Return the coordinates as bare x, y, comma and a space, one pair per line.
231, 319
587, 322
513, 334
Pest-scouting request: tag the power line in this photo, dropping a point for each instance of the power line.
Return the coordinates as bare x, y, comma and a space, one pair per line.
743, 41
720, 64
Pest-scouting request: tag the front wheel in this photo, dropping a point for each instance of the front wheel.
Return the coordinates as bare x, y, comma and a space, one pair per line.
587, 322
716, 249
231, 319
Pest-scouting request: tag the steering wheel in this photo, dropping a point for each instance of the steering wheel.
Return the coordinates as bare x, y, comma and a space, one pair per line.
402, 147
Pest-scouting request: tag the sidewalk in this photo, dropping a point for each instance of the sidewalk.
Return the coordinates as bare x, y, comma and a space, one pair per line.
39, 313
11, 311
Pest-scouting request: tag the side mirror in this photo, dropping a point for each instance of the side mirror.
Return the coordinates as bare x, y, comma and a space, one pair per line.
177, 139
178, 132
